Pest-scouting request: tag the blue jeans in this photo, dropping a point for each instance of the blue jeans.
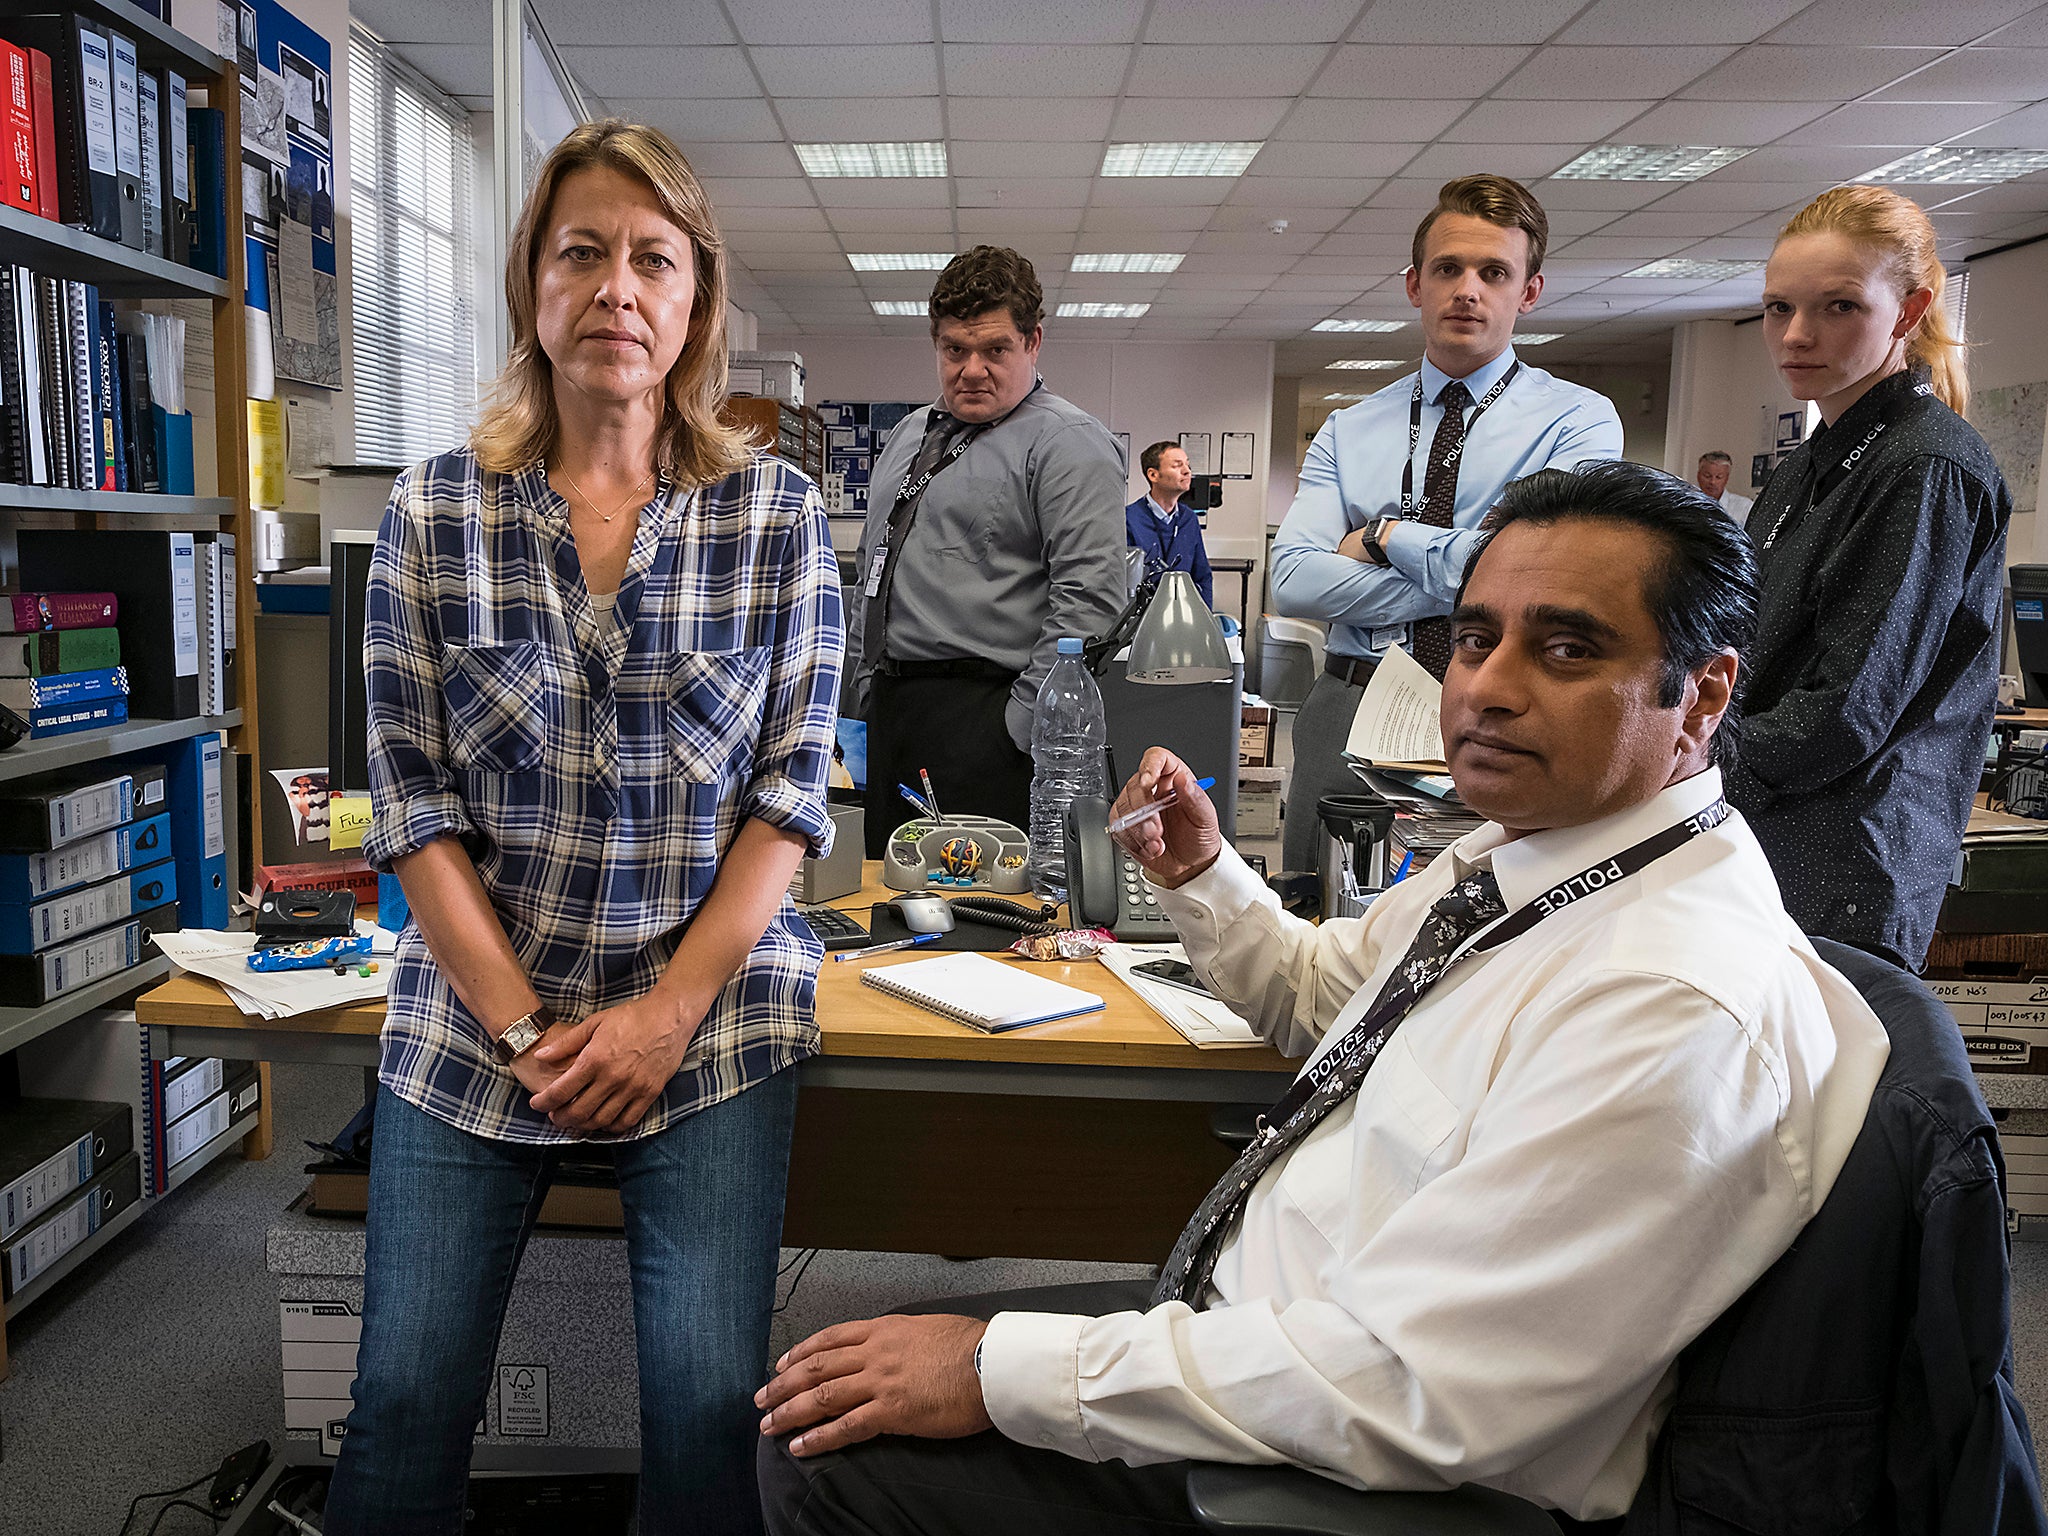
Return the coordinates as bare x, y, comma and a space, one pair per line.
449, 1217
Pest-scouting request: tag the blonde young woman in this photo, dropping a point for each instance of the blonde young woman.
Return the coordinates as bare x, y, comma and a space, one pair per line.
1882, 543
603, 654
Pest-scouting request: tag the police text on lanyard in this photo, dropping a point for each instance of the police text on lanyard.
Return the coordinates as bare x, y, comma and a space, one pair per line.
1825, 482
1415, 434
907, 498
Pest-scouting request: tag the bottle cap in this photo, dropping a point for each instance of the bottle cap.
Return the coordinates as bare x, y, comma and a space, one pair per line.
1070, 646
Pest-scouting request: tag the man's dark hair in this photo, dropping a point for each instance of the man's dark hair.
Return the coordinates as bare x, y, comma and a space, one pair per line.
1496, 199
1704, 597
985, 278
1149, 459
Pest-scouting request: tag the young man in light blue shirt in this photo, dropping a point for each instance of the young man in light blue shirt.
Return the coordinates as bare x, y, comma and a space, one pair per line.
1393, 488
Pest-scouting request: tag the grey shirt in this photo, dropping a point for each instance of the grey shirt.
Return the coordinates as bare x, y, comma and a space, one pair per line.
1018, 542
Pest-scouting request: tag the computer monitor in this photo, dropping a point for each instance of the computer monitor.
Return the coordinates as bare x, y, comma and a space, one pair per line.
1204, 493
2029, 587
348, 715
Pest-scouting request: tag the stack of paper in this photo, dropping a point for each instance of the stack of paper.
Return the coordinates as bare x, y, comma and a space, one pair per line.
1397, 724
1201, 1021
224, 957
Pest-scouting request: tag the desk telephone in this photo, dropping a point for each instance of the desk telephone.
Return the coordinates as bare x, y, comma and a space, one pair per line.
1104, 886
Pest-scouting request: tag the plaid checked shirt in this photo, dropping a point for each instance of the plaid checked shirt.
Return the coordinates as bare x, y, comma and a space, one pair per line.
595, 777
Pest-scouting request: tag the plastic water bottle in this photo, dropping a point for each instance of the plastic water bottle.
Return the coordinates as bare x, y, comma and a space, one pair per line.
1068, 740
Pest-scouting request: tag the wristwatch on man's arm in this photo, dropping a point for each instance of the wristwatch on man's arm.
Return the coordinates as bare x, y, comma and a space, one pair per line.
523, 1034
1376, 541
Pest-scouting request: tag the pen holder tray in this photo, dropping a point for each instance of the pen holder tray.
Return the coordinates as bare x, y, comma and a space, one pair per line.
960, 853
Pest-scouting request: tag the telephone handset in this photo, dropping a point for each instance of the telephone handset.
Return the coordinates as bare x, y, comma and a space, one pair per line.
1104, 887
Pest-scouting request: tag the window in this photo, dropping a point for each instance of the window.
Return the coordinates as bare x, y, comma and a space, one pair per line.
413, 261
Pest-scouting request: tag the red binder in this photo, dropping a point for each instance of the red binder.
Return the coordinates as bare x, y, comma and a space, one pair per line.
43, 105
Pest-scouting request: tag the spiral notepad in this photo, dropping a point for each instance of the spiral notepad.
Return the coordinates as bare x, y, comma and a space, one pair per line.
982, 992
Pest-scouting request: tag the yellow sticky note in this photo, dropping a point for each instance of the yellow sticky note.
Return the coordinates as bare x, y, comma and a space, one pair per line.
348, 818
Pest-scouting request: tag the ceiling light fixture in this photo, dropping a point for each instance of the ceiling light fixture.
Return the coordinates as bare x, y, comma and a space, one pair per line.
1648, 162
1095, 311
1375, 327
1128, 261
1961, 163
899, 261
1364, 362
901, 307
928, 159
1207, 158
1534, 338
1690, 269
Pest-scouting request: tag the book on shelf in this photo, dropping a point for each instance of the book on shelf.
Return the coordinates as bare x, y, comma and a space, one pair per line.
24, 694
59, 650
80, 715
82, 116
18, 180
23, 613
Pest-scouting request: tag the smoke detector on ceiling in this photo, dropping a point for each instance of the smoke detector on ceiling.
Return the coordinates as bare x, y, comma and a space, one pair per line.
1278, 226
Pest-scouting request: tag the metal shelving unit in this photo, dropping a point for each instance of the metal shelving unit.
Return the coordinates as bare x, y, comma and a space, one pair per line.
42, 755
18, 1026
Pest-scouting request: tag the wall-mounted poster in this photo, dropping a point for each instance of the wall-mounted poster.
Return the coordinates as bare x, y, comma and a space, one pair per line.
1759, 470
1196, 446
1789, 435
1237, 455
2012, 421
288, 184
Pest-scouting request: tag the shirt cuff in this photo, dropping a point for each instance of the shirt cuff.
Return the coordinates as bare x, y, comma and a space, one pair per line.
1031, 1380
1201, 908
407, 827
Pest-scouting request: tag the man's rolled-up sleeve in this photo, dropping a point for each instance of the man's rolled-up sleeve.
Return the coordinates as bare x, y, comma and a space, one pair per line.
413, 793
793, 754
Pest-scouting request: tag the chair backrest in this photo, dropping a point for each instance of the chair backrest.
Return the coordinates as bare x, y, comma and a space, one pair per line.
1835, 1395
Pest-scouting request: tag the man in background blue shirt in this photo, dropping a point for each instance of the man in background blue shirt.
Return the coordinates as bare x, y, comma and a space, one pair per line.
1157, 523
1393, 488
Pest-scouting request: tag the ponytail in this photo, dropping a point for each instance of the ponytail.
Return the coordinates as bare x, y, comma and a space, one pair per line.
1899, 232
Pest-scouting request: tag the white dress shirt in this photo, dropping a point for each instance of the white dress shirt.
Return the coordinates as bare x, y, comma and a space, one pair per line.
1737, 507
1576, 1152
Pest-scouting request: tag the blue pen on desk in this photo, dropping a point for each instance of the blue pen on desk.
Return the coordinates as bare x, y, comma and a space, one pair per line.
883, 949
1132, 818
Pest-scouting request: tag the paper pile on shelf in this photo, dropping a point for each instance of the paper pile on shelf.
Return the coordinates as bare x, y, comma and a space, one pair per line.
224, 957
1201, 1021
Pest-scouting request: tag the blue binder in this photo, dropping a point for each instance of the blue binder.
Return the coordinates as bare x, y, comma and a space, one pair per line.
198, 836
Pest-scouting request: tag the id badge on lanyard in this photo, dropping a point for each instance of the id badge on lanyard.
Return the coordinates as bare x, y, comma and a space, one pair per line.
907, 496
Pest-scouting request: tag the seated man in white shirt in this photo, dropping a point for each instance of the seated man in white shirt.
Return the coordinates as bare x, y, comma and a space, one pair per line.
1471, 1248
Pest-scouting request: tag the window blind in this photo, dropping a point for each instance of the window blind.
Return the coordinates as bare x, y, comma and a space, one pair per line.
413, 262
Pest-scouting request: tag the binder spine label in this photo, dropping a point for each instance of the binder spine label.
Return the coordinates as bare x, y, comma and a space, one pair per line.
43, 1186
66, 917
184, 606
187, 1091
214, 833
77, 965
181, 185
188, 1135
96, 77
127, 117
48, 1243
92, 809
97, 859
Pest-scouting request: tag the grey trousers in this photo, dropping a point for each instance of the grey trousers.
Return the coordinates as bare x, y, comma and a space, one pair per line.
1320, 729
984, 1485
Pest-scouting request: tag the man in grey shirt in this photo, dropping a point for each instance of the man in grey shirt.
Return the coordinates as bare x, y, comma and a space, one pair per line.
994, 527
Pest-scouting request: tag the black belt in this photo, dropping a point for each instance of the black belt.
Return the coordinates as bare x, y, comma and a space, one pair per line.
1352, 670
952, 666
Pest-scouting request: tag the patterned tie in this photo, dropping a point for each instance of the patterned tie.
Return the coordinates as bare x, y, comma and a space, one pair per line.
1432, 641
1469, 905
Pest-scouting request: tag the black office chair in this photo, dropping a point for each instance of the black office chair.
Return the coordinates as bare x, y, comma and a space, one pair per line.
1809, 1306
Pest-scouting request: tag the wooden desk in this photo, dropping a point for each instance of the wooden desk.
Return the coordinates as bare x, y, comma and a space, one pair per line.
1087, 1139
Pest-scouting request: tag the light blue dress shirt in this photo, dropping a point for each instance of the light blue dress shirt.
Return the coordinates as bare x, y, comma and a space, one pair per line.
1352, 479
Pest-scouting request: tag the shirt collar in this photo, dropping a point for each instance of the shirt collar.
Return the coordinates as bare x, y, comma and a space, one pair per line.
1528, 866
1157, 510
1478, 382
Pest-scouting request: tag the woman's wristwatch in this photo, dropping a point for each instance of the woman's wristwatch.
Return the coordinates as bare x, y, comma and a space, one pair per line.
523, 1034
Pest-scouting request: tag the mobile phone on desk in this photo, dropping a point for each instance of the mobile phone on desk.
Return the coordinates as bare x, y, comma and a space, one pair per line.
1175, 973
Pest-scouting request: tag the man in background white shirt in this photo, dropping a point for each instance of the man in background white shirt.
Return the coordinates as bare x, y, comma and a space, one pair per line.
1577, 1148
1712, 477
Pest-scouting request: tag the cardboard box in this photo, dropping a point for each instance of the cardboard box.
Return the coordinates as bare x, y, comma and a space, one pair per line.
1258, 801
1255, 738
778, 375
340, 875
2004, 1023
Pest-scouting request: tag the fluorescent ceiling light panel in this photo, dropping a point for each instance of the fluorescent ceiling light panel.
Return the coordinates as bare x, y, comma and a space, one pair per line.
1689, 269
1649, 162
1128, 261
1208, 158
1375, 327
1094, 311
927, 159
1534, 338
899, 261
1961, 162
902, 307
1363, 362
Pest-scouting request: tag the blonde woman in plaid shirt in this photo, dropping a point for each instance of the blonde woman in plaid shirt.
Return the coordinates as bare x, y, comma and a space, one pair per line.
603, 658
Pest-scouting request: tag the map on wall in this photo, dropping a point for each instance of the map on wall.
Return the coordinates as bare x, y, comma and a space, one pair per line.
2011, 421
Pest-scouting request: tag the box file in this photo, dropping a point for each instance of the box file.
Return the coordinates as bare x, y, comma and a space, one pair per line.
177, 190
53, 809
60, 919
37, 1250
198, 831
191, 1085
82, 112
149, 99
49, 1147
127, 137
28, 877
28, 981
191, 1132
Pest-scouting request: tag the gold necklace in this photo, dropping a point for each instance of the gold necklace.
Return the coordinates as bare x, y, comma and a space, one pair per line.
590, 503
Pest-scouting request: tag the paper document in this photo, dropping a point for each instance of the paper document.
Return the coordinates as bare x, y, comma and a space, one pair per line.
1202, 1021
1397, 724
224, 957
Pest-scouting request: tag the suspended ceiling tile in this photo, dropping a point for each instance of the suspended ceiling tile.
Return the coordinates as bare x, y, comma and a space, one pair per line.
1902, 126
1281, 192
1020, 191
459, 69
1157, 119
1019, 221
715, 159
1423, 70
1750, 197
1163, 191
1543, 122
1908, 22
1676, 223
999, 69
1384, 248
1736, 123
1635, 24
758, 192
1813, 165
1300, 220
1231, 21
1603, 196
1282, 247
1977, 74
1004, 21
1602, 74
651, 71
1458, 21
1208, 70
773, 220
1524, 162
406, 21
570, 23
858, 120
1387, 121
918, 221
691, 123
2030, 31
1353, 161
999, 160
1027, 120
1412, 194
2025, 129
816, 21
843, 69
1136, 222
883, 192
1770, 73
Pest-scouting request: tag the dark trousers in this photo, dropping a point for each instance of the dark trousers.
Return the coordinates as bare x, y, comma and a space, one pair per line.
952, 725
984, 1485
1321, 727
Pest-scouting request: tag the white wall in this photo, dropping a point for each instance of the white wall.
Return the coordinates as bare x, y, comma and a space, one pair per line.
1152, 390
1637, 391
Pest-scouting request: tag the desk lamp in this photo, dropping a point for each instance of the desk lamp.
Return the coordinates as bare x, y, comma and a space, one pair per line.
1178, 640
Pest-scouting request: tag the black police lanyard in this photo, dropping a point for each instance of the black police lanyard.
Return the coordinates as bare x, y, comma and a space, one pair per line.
1415, 430
907, 498
1824, 483
1395, 1002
